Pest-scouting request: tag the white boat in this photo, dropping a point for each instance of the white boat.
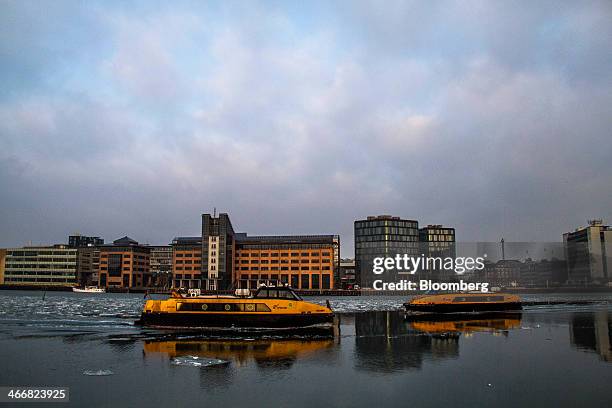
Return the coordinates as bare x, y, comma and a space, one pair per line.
89, 289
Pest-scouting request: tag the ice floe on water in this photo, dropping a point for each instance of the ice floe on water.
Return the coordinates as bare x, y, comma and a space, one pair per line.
98, 373
355, 304
195, 361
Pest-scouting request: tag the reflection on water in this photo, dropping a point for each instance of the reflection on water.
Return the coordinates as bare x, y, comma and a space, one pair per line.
592, 332
264, 352
555, 355
389, 342
385, 342
467, 325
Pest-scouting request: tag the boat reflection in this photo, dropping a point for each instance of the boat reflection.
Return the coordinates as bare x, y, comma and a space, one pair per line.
466, 325
264, 352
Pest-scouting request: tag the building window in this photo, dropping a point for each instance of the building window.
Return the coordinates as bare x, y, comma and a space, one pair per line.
305, 282
315, 281
326, 281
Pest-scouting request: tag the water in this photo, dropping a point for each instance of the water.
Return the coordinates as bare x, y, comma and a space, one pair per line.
547, 356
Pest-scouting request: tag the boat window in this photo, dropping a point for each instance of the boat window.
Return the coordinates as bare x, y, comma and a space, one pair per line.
277, 293
262, 307
479, 299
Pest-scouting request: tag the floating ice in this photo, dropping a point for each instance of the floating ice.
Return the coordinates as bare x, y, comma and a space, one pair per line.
98, 373
195, 361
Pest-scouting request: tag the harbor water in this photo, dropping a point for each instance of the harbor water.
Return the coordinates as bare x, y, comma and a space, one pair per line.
548, 355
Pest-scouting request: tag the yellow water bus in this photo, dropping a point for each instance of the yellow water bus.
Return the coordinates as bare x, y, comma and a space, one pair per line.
268, 307
463, 303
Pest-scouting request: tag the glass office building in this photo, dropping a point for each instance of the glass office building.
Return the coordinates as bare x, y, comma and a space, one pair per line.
383, 236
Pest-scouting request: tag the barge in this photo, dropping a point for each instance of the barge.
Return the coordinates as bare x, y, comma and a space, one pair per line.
463, 303
270, 307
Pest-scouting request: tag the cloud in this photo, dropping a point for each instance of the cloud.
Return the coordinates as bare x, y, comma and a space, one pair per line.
491, 119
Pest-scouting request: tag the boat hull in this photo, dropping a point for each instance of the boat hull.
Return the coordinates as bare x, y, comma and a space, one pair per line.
463, 307
226, 320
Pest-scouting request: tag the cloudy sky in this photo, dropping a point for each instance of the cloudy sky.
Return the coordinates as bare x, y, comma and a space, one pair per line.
300, 117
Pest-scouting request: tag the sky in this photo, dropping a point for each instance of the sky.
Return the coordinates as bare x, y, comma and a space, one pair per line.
134, 118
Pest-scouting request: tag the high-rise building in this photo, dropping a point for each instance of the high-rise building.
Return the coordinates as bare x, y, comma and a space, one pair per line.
437, 241
383, 236
218, 249
41, 266
588, 253
187, 262
124, 264
307, 262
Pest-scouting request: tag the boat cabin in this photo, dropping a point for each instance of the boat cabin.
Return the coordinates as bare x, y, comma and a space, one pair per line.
275, 292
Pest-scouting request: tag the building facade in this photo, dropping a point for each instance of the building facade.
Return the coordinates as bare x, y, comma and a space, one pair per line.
2, 263
124, 264
438, 241
306, 262
81, 241
218, 249
382, 236
504, 273
222, 259
88, 258
160, 266
588, 253
88, 262
41, 266
544, 273
347, 274
187, 262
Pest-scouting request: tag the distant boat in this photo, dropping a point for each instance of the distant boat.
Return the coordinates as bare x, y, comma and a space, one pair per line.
89, 289
463, 303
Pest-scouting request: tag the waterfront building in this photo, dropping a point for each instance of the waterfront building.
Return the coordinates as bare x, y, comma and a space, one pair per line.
160, 265
54, 265
588, 253
307, 262
218, 249
347, 274
186, 262
436, 241
88, 262
382, 236
2, 259
124, 264
544, 273
88, 258
222, 259
504, 273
